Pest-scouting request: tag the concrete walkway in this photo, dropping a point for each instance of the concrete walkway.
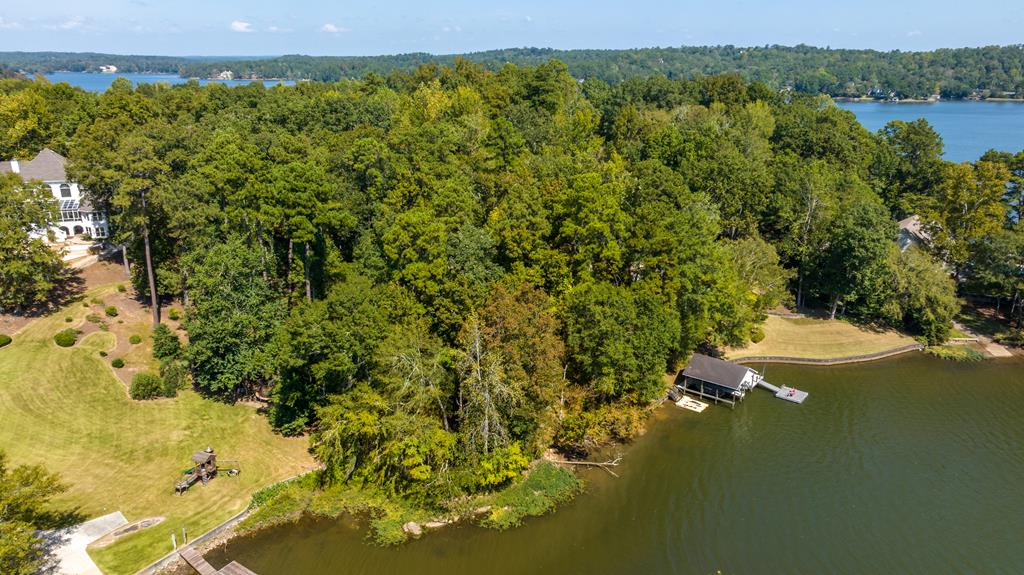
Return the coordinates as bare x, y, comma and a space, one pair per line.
992, 348
68, 545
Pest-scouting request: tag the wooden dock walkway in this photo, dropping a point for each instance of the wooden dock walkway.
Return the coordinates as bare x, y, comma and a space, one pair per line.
201, 566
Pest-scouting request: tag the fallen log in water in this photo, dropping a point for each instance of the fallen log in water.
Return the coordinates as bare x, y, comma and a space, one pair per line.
602, 464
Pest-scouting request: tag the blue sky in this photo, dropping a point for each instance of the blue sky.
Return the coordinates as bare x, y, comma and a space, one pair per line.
265, 27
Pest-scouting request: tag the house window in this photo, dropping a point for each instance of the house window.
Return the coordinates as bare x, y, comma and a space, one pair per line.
65, 191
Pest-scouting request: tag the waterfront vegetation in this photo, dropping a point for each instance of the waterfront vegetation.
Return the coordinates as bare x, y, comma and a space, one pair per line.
439, 275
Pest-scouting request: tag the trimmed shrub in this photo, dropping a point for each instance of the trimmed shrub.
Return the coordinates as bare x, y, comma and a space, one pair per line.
165, 343
168, 389
4, 339
117, 363
757, 336
175, 373
173, 314
111, 311
103, 354
135, 340
69, 319
146, 386
66, 338
121, 288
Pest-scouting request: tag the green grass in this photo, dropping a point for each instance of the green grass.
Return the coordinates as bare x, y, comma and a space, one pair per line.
961, 353
819, 339
64, 408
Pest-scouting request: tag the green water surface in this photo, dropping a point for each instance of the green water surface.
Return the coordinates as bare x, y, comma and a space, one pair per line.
908, 465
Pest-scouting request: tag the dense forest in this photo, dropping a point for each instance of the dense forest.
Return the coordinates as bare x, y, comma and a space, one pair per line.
994, 71
440, 274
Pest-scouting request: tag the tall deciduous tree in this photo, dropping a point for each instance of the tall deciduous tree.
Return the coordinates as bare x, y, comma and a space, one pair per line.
29, 269
26, 492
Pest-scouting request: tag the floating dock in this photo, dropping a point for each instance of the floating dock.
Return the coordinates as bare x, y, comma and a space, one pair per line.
791, 394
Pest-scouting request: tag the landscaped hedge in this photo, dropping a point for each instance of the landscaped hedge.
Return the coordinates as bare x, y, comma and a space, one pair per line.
146, 386
66, 338
4, 339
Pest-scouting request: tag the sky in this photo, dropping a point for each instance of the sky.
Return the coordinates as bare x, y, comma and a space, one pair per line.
348, 28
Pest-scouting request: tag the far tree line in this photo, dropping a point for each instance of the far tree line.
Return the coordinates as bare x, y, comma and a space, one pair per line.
991, 71
440, 274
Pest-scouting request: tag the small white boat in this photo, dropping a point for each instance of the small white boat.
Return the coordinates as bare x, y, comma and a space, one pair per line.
692, 404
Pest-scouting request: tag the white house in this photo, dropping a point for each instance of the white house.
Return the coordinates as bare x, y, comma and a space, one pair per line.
77, 215
912, 233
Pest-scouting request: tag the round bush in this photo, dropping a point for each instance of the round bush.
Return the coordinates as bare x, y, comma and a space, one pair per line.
69, 319
135, 340
103, 354
173, 314
757, 336
4, 339
146, 386
118, 363
121, 288
111, 311
175, 373
66, 338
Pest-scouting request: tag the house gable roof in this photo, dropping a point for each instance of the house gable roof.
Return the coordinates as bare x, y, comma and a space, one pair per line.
912, 227
47, 166
716, 371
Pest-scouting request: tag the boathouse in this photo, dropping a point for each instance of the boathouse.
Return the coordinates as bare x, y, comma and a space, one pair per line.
716, 379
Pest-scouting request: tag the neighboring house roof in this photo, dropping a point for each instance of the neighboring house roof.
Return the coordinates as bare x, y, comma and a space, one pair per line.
712, 370
47, 166
911, 226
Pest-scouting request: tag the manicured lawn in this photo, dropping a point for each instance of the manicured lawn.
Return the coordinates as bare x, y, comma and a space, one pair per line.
65, 408
818, 339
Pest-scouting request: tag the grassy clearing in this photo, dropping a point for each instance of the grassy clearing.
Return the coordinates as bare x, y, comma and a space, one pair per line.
545, 487
65, 408
961, 353
819, 339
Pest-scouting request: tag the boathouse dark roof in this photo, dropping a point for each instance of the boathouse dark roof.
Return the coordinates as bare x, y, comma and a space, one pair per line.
711, 370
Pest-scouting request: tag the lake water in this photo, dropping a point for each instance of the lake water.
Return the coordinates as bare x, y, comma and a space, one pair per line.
969, 129
100, 82
908, 465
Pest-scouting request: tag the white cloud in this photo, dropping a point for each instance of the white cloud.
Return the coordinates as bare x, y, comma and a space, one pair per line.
5, 25
278, 29
241, 26
70, 24
528, 19
913, 33
332, 29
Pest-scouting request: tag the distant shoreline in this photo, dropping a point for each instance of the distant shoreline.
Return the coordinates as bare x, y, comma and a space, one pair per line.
852, 100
